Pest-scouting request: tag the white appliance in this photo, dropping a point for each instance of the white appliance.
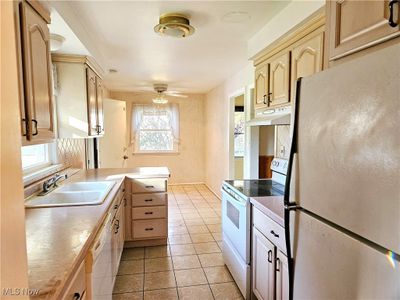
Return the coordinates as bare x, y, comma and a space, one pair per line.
236, 219
102, 280
344, 181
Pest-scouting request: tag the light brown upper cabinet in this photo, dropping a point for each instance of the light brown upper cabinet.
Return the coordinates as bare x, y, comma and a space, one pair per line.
37, 115
79, 96
279, 80
307, 58
355, 25
261, 85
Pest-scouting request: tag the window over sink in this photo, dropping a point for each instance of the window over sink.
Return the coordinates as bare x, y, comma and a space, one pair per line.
155, 128
37, 157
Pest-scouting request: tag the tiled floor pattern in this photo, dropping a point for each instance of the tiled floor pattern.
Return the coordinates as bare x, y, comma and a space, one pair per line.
190, 267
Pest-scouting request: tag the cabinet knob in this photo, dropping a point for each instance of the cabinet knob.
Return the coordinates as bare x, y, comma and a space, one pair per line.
391, 22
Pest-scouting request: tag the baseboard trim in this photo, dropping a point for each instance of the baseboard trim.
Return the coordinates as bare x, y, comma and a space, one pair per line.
215, 194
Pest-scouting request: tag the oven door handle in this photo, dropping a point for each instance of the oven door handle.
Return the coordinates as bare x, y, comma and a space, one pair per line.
230, 193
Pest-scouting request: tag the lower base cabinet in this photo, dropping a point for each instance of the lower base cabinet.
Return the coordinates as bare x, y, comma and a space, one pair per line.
77, 288
270, 276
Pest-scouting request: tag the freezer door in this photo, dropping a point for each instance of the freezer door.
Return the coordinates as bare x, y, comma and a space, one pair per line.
348, 147
331, 265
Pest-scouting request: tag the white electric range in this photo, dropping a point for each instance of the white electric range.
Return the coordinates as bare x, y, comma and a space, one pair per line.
236, 219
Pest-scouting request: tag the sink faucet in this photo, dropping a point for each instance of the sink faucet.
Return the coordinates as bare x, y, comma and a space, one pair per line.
52, 183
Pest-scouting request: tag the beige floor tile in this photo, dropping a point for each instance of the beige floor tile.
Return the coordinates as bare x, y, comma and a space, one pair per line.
179, 239
180, 229
127, 267
218, 274
182, 249
194, 222
209, 247
164, 294
201, 237
157, 251
176, 222
133, 253
226, 291
214, 228
128, 283
186, 262
157, 264
197, 229
212, 221
159, 280
199, 292
128, 296
211, 260
220, 244
191, 216
190, 277
217, 236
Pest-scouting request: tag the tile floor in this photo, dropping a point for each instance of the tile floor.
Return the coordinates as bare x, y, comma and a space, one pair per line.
190, 267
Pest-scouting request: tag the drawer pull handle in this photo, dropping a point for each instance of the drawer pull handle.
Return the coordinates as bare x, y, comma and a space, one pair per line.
278, 265
148, 213
77, 296
270, 256
391, 22
123, 190
149, 186
274, 234
115, 206
149, 229
147, 200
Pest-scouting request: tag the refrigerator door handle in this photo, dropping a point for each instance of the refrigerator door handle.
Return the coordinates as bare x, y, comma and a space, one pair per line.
287, 204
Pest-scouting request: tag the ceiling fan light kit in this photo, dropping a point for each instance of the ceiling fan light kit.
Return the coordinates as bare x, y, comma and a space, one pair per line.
175, 25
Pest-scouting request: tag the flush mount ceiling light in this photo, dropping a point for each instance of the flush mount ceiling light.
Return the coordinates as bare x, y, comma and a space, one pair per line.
175, 25
236, 17
56, 41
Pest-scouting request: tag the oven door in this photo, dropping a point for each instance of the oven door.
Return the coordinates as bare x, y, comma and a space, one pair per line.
236, 223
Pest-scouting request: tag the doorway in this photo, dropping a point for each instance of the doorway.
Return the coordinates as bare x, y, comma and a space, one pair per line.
238, 133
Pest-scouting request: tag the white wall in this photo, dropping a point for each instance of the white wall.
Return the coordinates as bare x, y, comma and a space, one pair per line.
217, 120
187, 166
285, 20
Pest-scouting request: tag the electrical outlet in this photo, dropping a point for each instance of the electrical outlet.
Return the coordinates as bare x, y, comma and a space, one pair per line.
282, 150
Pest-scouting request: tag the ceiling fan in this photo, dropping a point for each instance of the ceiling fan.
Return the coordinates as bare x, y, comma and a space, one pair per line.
162, 89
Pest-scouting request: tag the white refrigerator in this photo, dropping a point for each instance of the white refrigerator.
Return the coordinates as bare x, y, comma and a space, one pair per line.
342, 198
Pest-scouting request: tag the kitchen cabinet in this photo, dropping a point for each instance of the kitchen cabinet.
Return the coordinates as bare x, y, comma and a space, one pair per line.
282, 276
37, 112
146, 214
269, 262
263, 266
279, 80
79, 96
355, 25
117, 239
307, 58
77, 287
261, 85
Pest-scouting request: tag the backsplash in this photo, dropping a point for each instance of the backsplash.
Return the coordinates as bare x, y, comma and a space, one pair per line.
282, 141
71, 152
70, 157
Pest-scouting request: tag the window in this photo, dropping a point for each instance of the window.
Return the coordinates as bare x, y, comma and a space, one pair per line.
35, 157
155, 128
239, 132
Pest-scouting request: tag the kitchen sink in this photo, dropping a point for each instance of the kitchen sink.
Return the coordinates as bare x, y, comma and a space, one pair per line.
73, 194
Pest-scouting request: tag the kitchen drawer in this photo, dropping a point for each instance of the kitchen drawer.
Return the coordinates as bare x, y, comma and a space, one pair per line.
149, 199
270, 229
151, 212
77, 285
148, 185
146, 229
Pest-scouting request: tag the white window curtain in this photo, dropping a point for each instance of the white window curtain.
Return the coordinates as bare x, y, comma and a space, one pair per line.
171, 109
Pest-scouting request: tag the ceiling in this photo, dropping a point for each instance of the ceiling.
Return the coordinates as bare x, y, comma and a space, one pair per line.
123, 34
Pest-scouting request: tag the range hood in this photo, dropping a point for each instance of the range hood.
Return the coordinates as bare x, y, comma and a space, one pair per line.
271, 116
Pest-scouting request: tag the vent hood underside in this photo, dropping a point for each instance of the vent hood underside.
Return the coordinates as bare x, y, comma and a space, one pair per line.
277, 116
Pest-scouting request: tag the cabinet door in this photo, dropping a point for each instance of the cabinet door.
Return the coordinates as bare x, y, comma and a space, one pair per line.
282, 276
263, 266
261, 86
279, 80
99, 100
358, 24
307, 59
91, 88
37, 74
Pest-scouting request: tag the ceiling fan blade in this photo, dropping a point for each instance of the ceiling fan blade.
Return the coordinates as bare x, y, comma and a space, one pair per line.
175, 94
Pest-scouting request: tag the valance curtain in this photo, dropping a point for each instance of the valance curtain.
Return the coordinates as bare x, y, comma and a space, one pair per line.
170, 109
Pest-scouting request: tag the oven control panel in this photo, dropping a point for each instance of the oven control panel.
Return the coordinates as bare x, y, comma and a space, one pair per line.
279, 165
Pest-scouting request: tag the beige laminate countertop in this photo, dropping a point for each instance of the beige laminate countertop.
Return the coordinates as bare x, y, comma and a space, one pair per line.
272, 206
58, 238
